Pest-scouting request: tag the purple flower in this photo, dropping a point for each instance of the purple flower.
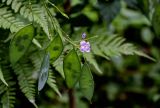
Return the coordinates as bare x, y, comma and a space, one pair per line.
83, 35
85, 46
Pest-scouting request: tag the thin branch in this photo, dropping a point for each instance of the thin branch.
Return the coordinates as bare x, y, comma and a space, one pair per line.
72, 102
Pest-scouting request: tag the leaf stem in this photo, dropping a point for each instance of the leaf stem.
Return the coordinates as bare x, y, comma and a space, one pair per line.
67, 38
72, 102
58, 9
49, 13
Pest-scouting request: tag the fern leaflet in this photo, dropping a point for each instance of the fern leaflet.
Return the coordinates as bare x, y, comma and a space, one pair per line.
27, 84
11, 21
115, 46
52, 83
9, 92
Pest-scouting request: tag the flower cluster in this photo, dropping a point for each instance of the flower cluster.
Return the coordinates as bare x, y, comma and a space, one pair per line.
84, 45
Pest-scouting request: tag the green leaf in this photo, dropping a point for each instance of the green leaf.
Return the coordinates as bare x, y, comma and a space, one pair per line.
20, 43
144, 55
116, 46
72, 68
156, 20
86, 82
43, 72
65, 15
55, 48
143, 5
109, 9
8, 98
132, 3
52, 83
2, 77
8, 93
36, 42
24, 70
90, 58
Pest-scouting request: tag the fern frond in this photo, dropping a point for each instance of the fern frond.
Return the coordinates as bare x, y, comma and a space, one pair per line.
15, 4
52, 83
58, 64
35, 12
115, 46
3, 88
36, 59
8, 98
8, 95
11, 21
91, 59
27, 84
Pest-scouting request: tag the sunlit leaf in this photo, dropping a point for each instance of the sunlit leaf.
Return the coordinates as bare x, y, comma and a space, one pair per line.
72, 68
35, 41
43, 72
55, 48
86, 82
2, 77
20, 43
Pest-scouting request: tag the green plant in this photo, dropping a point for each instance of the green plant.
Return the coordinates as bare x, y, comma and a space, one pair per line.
34, 34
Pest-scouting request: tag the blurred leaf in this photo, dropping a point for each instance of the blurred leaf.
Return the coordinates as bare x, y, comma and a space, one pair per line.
143, 5
147, 35
43, 72
132, 3
2, 77
112, 90
55, 48
65, 15
72, 68
140, 53
86, 82
156, 20
91, 14
20, 43
109, 9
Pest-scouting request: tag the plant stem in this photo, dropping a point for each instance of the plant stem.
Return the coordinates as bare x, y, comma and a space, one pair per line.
72, 102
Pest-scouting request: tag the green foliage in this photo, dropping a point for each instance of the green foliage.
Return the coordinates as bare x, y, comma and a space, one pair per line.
55, 50
8, 98
27, 62
156, 20
72, 68
43, 76
52, 83
86, 82
9, 20
91, 59
115, 46
25, 79
20, 43
8, 93
30, 10
109, 9
2, 77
